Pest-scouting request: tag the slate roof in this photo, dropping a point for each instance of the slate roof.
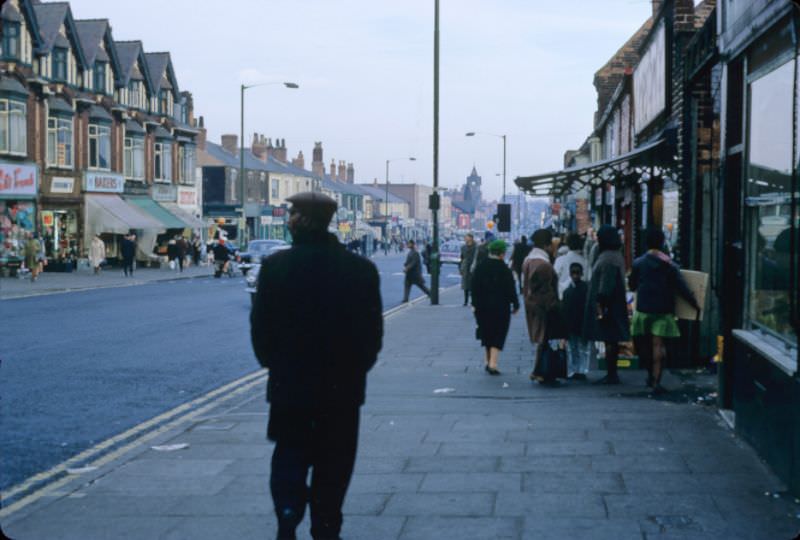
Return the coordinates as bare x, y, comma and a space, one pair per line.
128, 53
91, 33
9, 13
380, 194
50, 17
217, 152
159, 69
341, 187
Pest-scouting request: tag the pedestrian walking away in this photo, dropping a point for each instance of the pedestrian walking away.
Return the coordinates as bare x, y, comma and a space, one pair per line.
494, 298
606, 314
317, 324
182, 248
518, 254
482, 252
540, 292
97, 253
128, 252
33, 255
221, 257
413, 271
468, 252
564, 262
573, 305
657, 281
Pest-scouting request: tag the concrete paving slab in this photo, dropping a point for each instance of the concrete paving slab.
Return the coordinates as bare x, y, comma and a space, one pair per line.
464, 528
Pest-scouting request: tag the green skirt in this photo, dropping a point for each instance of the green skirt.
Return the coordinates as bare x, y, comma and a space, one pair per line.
654, 324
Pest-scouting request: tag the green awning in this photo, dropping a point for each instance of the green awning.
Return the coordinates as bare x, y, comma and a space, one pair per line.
158, 212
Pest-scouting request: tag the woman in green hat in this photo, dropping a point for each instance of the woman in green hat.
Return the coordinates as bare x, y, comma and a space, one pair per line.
494, 299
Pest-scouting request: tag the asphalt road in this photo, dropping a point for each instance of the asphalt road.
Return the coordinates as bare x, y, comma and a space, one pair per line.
78, 368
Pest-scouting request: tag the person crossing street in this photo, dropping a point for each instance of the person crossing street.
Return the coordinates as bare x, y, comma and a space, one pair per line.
413, 271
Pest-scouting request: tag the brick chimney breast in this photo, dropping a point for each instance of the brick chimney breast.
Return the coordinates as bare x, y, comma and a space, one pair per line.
299, 161
333, 169
351, 173
230, 143
342, 174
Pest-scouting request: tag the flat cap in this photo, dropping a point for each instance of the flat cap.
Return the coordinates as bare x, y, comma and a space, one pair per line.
313, 204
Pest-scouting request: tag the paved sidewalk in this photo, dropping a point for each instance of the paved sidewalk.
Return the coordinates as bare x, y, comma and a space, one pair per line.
83, 279
494, 457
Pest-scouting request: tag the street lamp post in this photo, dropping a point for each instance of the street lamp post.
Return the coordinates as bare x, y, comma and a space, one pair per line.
386, 203
473, 133
434, 203
243, 219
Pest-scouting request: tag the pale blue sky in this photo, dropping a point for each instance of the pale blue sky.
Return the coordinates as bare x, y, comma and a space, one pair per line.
365, 67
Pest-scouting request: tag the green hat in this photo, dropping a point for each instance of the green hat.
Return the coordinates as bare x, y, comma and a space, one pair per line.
497, 247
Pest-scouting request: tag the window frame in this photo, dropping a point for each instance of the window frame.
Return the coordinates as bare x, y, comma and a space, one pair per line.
187, 161
162, 161
58, 52
55, 130
6, 125
12, 31
98, 132
99, 75
129, 152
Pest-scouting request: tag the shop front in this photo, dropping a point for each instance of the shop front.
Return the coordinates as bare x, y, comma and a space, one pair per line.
18, 212
108, 215
61, 222
761, 228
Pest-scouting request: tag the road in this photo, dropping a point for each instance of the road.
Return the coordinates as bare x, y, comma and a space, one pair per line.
81, 367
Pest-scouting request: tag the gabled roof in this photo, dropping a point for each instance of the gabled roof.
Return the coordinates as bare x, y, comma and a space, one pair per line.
159, 66
130, 53
50, 17
92, 33
9, 13
341, 187
217, 152
380, 194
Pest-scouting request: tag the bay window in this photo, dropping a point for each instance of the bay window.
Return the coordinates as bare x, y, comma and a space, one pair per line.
99, 147
13, 127
59, 142
134, 158
162, 161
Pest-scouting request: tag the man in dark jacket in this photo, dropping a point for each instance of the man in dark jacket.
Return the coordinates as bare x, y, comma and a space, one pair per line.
521, 250
221, 257
317, 324
128, 252
413, 271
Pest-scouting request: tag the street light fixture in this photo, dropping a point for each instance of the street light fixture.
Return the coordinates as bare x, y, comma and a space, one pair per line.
243, 220
386, 202
473, 133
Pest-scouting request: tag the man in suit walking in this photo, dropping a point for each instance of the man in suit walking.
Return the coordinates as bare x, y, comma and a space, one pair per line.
413, 271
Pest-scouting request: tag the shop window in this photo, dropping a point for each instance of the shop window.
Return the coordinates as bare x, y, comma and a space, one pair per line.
768, 200
186, 163
59, 64
17, 219
162, 162
59, 142
11, 40
100, 77
134, 158
13, 128
99, 147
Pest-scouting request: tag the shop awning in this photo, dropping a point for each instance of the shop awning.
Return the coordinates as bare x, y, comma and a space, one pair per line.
111, 214
653, 156
157, 212
184, 215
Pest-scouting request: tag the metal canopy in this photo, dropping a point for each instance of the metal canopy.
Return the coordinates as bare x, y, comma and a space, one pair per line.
651, 159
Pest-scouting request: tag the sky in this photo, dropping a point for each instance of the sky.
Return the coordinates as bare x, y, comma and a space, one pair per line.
520, 68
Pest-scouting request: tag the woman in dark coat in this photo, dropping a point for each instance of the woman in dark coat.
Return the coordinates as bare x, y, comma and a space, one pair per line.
494, 298
606, 315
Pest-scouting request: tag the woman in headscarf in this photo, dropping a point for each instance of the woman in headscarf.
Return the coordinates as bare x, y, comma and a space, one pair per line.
494, 298
606, 315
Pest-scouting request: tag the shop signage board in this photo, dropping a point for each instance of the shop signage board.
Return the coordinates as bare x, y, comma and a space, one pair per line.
266, 220
187, 197
164, 193
18, 180
104, 182
62, 184
650, 80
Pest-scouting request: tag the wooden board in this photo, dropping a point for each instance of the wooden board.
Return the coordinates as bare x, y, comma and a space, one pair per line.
698, 284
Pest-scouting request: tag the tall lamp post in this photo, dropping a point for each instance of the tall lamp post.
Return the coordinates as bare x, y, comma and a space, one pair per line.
473, 133
386, 203
434, 200
243, 219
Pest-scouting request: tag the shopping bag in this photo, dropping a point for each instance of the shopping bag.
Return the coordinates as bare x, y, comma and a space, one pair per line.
552, 362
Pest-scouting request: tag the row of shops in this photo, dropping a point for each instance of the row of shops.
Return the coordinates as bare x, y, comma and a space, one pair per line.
67, 212
700, 137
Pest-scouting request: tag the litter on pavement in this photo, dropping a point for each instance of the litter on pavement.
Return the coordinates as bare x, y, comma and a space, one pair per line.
170, 447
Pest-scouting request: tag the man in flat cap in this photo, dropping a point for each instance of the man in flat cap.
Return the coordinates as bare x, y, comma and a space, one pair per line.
317, 324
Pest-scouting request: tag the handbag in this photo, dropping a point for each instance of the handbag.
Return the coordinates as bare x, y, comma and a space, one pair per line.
552, 362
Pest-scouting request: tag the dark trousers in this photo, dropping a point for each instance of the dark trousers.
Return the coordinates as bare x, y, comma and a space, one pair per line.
325, 442
419, 282
127, 266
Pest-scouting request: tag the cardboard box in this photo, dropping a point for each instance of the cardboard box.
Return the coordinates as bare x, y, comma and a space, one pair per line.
698, 284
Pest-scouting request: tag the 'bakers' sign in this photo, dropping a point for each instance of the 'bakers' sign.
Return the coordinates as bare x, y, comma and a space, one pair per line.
17, 180
104, 182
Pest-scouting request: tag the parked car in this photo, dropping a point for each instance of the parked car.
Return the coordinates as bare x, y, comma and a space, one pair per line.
251, 277
450, 252
257, 250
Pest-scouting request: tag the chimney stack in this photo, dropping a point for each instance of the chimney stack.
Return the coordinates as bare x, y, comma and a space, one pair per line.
342, 174
280, 150
258, 148
230, 143
351, 173
333, 170
317, 163
299, 161
202, 136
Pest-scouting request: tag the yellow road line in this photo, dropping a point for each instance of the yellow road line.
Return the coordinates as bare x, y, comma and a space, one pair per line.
116, 454
100, 447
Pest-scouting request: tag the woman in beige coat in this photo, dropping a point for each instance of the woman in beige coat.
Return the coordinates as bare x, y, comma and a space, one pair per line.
540, 290
97, 253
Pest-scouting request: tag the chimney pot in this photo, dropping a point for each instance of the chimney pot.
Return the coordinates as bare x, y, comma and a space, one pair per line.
230, 143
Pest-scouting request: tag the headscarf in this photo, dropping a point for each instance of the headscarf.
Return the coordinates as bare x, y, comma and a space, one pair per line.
608, 238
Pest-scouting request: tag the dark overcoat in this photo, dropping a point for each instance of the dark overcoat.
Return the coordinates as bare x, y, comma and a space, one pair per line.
494, 295
468, 254
317, 324
607, 292
413, 267
540, 291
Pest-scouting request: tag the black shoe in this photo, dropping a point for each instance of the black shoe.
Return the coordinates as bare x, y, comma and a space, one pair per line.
287, 523
659, 390
649, 382
607, 380
492, 371
579, 377
551, 383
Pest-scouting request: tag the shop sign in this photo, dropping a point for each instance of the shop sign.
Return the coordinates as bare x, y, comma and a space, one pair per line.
18, 180
104, 182
47, 218
266, 220
62, 184
277, 221
164, 193
187, 197
650, 80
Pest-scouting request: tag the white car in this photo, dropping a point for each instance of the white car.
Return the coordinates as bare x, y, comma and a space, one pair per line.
251, 279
